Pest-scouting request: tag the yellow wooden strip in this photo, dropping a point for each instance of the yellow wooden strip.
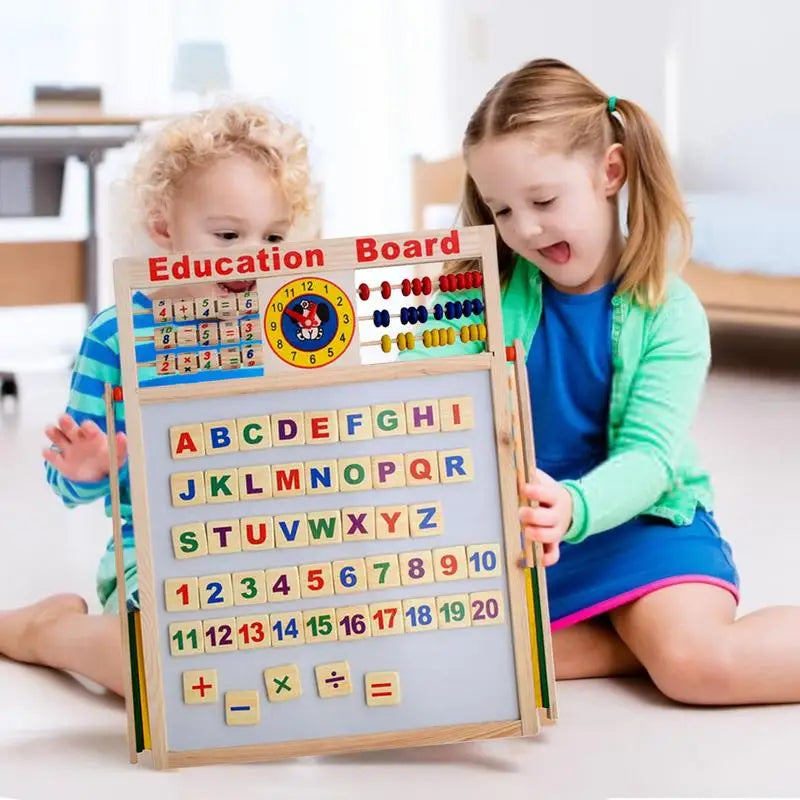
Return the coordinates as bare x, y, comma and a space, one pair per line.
142, 685
537, 677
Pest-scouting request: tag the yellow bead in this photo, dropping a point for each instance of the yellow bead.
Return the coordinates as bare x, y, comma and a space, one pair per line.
426, 338
410, 341
401, 341
442, 337
481, 331
451, 336
386, 343
473, 332
465, 333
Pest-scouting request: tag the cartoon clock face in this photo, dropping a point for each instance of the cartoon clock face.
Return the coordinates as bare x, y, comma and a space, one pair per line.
309, 322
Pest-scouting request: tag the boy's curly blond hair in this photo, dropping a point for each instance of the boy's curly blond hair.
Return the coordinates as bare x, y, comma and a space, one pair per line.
205, 136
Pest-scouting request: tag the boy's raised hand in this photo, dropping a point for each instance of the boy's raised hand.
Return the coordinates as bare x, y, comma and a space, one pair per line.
81, 451
549, 521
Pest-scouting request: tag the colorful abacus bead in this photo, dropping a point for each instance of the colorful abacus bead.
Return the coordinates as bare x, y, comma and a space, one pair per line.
422, 314
386, 343
386, 290
427, 286
363, 291
477, 305
416, 287
438, 311
406, 341
381, 318
405, 287
473, 333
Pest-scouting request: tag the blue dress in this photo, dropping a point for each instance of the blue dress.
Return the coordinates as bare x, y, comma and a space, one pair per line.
569, 371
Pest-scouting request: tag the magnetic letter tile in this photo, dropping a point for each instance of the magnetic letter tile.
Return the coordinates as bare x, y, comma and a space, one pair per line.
422, 469
321, 427
455, 466
382, 688
255, 483
186, 441
288, 428
288, 480
391, 522
324, 527
282, 683
187, 488
199, 686
386, 618
388, 472
254, 433
333, 680
389, 420
220, 436
291, 530
322, 477
422, 416
455, 414
215, 591
241, 708
355, 424
252, 633
186, 638
221, 485
257, 533
453, 611
220, 635
425, 519
358, 523
450, 563
223, 536
180, 594
189, 540
355, 474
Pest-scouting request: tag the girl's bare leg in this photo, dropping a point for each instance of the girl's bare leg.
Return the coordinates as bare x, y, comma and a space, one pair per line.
57, 632
696, 652
592, 649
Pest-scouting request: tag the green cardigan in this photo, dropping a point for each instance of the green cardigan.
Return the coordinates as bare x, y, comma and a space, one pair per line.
659, 364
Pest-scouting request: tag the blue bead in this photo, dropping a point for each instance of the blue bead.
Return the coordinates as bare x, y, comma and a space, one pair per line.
376, 318
448, 310
385, 318
422, 314
412, 315
457, 311
477, 305
466, 307
437, 311
404, 316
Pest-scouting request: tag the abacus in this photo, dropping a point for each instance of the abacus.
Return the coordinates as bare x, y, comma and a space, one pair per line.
327, 547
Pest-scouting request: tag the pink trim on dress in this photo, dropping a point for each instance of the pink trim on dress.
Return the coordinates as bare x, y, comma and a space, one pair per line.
636, 594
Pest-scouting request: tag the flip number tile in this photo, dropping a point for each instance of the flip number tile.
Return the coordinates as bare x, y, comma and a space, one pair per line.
420, 614
487, 607
252, 632
483, 560
186, 638
287, 628
220, 635
386, 618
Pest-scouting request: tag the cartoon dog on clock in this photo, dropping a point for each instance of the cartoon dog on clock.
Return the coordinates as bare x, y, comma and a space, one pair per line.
310, 317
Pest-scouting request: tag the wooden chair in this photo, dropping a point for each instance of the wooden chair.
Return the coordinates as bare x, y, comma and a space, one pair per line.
435, 183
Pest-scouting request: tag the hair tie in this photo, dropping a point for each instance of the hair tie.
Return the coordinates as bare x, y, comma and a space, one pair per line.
612, 104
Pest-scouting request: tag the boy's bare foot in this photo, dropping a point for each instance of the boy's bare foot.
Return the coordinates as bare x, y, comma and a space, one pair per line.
21, 629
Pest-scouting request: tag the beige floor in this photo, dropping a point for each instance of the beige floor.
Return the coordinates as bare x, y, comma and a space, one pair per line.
615, 738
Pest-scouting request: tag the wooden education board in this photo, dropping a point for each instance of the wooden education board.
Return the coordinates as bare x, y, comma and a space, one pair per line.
328, 548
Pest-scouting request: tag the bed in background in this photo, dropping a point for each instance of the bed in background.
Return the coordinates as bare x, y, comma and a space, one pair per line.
745, 264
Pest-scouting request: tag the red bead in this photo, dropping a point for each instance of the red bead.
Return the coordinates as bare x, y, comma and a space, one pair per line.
468, 280
405, 287
443, 283
363, 291
427, 288
460, 280
386, 290
451, 283
118, 394
478, 276
416, 286
511, 353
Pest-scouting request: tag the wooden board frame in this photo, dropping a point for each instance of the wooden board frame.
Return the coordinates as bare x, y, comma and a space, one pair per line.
478, 242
